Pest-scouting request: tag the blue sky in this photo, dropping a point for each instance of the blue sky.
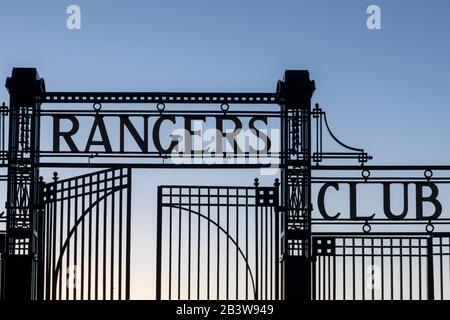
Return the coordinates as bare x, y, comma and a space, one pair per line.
374, 84
385, 90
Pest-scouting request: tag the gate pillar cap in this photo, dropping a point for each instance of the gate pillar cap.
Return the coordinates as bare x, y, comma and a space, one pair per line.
25, 81
296, 89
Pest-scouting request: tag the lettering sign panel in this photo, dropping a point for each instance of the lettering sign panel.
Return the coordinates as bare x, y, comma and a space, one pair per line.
420, 204
189, 138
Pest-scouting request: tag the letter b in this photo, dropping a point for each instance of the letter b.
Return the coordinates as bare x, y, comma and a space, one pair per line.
420, 199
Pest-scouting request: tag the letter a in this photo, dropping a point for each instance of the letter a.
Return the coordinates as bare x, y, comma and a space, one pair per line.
374, 20
74, 19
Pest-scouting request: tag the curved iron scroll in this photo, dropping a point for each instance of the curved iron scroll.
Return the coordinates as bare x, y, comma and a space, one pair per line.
353, 153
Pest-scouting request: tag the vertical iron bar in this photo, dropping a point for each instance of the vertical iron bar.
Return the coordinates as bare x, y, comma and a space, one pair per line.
179, 250
277, 239
392, 268
75, 247
105, 231
246, 242
256, 248
420, 267
128, 240
373, 265
353, 269
48, 251
382, 268
83, 233
363, 269
410, 270
209, 239
198, 245
189, 240
61, 240
113, 217
344, 263
218, 244
441, 269
266, 253
430, 268
120, 258
55, 221
334, 276
97, 226
170, 239
90, 239
271, 250
228, 245
401, 269
237, 244
159, 244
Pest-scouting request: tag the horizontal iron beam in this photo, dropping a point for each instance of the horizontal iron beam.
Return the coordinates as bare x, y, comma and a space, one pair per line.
236, 166
380, 167
152, 165
158, 97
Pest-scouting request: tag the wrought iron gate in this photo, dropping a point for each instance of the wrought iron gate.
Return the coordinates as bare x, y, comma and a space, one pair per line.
86, 237
218, 242
381, 267
70, 239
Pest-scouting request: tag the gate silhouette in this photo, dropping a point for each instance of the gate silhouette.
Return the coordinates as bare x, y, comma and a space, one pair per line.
71, 238
236, 225
86, 237
407, 267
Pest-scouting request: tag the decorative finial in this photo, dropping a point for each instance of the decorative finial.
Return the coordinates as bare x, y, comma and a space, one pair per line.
277, 182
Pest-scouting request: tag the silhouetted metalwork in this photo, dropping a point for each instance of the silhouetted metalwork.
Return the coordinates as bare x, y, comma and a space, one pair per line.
319, 155
414, 267
229, 247
86, 233
22, 202
71, 238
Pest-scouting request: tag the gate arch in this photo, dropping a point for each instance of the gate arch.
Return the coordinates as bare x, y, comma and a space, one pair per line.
245, 217
94, 245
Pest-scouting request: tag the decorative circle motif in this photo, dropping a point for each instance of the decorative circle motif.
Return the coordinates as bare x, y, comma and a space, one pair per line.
429, 227
366, 227
97, 106
224, 107
428, 173
160, 106
365, 174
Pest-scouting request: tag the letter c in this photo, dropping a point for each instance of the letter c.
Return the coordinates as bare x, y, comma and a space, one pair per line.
321, 200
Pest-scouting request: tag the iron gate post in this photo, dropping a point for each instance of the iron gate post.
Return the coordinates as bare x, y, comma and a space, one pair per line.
294, 95
39, 229
22, 205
